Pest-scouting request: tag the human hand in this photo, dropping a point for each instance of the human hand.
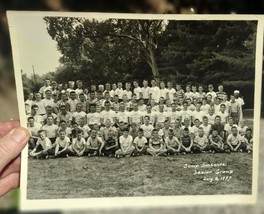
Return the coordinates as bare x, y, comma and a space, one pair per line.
13, 139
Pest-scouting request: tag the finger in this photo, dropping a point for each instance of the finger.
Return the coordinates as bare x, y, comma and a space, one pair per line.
12, 167
9, 182
7, 126
12, 144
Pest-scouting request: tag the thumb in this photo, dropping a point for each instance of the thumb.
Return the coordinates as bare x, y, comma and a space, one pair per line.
12, 144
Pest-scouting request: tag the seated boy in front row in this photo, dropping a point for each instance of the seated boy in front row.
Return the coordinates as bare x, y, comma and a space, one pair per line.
172, 143
234, 141
78, 144
126, 147
62, 144
140, 143
186, 141
156, 144
201, 143
94, 144
248, 140
111, 144
216, 142
47, 147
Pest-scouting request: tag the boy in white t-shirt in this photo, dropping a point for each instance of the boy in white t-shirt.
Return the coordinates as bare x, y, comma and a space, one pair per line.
211, 116
93, 117
234, 140
137, 90
126, 145
223, 114
78, 144
201, 143
140, 143
50, 129
62, 144
78, 114
242, 128
46, 146
229, 125
206, 126
172, 144
147, 128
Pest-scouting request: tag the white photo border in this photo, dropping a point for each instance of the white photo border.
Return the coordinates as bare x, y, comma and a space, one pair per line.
149, 201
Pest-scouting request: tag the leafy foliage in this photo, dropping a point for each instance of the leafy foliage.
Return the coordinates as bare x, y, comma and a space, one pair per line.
111, 50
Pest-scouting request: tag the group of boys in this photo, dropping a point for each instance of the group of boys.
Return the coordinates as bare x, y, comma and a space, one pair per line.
111, 121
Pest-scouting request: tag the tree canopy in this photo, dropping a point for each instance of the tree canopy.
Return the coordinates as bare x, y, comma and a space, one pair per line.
124, 49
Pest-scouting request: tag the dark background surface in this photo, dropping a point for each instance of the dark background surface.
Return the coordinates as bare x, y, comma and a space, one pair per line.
8, 100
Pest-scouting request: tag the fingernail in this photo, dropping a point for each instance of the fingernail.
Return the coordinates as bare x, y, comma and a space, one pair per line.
19, 135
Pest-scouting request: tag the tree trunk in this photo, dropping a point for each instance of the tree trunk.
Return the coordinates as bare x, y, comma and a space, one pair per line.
151, 60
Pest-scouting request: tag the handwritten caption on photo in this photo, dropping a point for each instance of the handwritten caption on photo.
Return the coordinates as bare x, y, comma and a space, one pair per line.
211, 172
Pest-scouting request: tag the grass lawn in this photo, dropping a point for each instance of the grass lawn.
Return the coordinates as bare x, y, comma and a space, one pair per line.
138, 176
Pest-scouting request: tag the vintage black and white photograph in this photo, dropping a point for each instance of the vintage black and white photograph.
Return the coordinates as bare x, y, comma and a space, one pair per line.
136, 107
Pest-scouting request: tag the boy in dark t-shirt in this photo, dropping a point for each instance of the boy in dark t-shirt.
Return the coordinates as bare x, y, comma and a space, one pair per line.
186, 141
111, 144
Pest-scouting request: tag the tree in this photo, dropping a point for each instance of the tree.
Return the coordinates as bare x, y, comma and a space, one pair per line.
109, 47
208, 51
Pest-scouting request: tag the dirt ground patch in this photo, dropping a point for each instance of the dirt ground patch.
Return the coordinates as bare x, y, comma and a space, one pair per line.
139, 176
